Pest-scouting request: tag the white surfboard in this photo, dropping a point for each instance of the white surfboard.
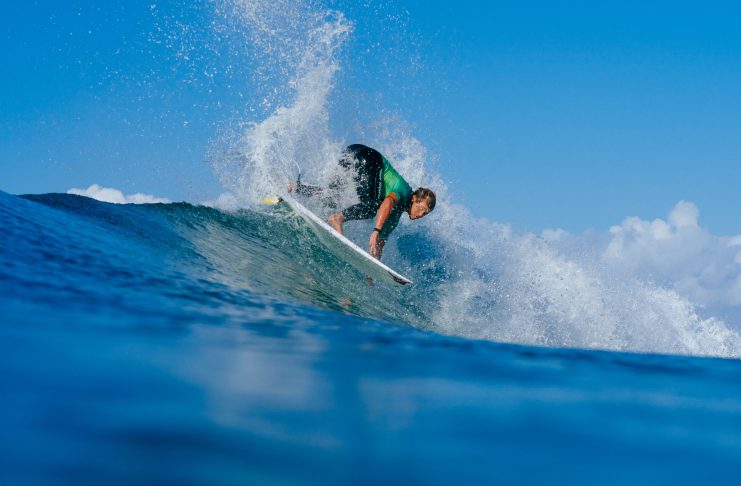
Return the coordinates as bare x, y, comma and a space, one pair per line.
341, 246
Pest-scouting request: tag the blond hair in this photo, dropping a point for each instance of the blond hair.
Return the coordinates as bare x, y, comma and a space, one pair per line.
426, 194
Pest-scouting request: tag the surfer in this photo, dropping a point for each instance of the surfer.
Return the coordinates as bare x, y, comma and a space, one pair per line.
383, 193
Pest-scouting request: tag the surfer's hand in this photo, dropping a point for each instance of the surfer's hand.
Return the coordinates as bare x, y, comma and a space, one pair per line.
291, 186
373, 244
376, 245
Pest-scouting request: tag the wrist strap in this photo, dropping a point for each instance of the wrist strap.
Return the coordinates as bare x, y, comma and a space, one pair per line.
377, 229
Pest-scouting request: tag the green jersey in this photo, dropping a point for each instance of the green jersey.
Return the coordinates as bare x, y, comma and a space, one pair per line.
394, 184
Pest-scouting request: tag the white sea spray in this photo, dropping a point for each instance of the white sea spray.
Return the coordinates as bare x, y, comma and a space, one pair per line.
497, 283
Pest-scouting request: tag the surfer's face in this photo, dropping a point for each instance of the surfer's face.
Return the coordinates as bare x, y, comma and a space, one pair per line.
419, 209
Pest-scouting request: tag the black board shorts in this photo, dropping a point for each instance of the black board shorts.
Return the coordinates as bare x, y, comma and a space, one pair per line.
367, 167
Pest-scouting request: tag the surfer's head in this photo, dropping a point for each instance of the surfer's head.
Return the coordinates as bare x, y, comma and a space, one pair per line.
423, 201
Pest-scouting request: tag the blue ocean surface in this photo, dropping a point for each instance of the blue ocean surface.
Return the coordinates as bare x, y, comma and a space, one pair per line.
180, 344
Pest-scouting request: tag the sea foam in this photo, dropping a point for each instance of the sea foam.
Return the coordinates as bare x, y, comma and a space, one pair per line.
491, 282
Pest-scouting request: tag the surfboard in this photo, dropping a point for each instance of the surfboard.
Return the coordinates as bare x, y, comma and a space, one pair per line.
344, 248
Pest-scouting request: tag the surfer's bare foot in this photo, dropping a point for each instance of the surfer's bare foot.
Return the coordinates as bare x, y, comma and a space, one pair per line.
335, 221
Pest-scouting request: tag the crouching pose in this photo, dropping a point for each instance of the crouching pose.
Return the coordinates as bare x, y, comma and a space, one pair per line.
383, 194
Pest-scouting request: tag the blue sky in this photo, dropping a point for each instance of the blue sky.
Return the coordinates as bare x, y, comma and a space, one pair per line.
541, 114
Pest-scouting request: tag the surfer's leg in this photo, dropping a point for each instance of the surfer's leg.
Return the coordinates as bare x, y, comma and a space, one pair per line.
359, 211
368, 165
305, 189
336, 220
369, 169
347, 161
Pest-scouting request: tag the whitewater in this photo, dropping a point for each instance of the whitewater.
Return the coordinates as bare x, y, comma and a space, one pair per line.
221, 342
479, 279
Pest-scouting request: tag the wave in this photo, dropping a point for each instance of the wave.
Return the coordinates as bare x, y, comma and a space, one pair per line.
473, 278
72, 250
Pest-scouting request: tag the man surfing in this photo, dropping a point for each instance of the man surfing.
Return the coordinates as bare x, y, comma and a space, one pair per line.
383, 193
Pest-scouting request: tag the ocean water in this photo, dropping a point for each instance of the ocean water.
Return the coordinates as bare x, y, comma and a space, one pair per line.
172, 343
222, 343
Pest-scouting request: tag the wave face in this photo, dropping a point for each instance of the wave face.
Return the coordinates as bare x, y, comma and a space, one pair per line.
179, 256
172, 256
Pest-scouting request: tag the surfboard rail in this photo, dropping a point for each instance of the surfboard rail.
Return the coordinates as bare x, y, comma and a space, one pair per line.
348, 251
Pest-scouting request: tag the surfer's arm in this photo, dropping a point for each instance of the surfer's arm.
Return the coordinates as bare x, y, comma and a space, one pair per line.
379, 244
376, 243
384, 210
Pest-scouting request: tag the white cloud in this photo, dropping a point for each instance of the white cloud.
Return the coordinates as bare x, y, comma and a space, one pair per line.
676, 253
110, 195
684, 214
